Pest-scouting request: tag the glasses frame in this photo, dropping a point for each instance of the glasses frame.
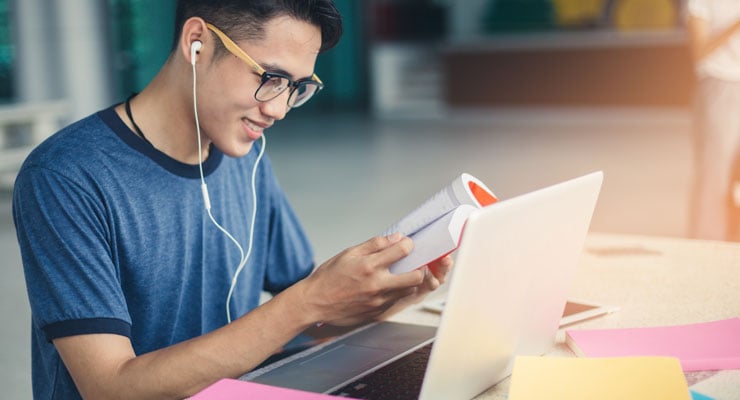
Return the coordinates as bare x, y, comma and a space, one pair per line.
265, 76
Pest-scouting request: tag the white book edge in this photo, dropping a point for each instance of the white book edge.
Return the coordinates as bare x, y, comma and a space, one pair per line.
437, 239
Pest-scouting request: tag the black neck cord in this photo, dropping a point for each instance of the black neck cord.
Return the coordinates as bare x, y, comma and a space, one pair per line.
131, 118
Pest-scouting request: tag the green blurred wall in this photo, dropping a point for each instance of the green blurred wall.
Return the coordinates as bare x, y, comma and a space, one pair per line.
6, 53
344, 68
142, 34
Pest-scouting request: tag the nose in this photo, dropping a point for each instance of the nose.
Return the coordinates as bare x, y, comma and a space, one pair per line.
277, 107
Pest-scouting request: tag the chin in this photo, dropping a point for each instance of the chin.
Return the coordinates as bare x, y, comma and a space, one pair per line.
237, 150
234, 144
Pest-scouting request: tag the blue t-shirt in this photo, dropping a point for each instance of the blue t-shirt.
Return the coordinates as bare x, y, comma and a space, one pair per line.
115, 238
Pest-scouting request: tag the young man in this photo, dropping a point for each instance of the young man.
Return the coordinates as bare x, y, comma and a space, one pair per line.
714, 32
129, 274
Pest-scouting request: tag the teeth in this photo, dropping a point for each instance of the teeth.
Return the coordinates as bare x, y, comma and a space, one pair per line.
252, 126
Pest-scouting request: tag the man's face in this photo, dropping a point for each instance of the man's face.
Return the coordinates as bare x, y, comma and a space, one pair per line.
230, 116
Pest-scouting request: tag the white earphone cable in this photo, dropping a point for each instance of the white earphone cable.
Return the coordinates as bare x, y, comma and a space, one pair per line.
243, 258
251, 231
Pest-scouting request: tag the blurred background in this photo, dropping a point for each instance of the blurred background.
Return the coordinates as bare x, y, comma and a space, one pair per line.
520, 93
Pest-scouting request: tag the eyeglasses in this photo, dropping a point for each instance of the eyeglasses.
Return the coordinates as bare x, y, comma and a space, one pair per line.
273, 84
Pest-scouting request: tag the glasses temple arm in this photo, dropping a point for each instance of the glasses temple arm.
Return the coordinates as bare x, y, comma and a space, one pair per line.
236, 50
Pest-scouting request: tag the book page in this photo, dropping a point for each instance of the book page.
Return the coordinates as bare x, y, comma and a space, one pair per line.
437, 239
431, 210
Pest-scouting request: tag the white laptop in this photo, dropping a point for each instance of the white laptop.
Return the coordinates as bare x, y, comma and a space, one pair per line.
506, 296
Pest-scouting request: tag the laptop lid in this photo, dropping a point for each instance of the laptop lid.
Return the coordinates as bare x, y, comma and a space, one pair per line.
509, 286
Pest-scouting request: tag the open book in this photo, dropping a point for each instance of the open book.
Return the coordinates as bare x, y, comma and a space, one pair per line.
437, 224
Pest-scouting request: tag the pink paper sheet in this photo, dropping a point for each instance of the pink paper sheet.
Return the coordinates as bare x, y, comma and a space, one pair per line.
232, 389
704, 346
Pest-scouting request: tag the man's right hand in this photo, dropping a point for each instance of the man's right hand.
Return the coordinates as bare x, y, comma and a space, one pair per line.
355, 285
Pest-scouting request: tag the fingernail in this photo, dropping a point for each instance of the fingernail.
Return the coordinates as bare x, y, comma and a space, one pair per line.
394, 237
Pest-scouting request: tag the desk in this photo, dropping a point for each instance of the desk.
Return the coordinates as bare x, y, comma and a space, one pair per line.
655, 281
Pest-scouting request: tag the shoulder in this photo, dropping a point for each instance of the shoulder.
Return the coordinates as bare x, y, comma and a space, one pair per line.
77, 144
73, 161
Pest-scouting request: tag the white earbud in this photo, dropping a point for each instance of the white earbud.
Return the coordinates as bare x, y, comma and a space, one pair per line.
194, 49
243, 257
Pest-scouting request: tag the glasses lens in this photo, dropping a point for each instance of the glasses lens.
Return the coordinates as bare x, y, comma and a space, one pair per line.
271, 87
303, 93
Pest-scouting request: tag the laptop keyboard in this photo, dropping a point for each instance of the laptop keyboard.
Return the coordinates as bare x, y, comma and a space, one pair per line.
399, 380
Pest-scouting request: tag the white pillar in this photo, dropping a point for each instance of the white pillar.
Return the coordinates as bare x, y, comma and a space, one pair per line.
36, 65
62, 53
83, 40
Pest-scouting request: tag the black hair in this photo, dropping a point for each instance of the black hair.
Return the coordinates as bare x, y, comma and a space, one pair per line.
245, 19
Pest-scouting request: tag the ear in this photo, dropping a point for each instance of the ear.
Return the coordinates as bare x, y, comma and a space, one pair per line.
193, 30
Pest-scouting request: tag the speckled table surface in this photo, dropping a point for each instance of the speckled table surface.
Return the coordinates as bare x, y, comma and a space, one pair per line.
654, 281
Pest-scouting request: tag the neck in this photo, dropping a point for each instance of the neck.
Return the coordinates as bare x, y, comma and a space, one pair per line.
168, 125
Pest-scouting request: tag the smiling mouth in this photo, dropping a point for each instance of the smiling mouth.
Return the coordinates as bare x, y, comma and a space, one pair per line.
254, 126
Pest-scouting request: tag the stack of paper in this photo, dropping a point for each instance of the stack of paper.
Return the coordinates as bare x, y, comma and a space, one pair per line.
633, 378
705, 346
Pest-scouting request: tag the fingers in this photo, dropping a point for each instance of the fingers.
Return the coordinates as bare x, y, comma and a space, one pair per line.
357, 284
406, 280
441, 268
380, 252
430, 280
397, 247
381, 304
435, 274
377, 244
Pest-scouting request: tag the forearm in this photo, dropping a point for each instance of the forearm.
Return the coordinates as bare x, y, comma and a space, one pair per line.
702, 43
227, 352
350, 288
183, 369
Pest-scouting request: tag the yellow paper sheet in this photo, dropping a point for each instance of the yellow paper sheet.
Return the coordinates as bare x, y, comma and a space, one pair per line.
622, 378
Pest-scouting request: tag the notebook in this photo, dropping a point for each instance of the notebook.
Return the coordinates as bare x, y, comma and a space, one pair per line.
506, 295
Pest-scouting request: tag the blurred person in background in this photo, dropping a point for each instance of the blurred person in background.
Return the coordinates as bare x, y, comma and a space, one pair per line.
714, 34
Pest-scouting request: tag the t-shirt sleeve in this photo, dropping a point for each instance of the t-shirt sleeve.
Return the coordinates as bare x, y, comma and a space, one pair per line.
290, 255
72, 282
